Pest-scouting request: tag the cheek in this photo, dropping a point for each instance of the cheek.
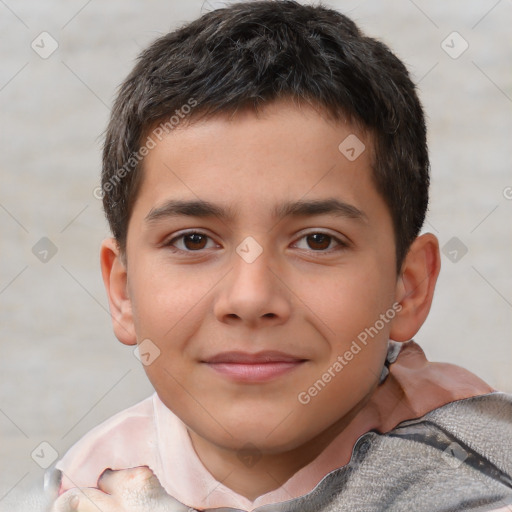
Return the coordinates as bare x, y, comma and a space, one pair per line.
346, 301
164, 297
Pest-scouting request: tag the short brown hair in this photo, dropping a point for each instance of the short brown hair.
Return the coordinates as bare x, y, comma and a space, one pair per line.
252, 53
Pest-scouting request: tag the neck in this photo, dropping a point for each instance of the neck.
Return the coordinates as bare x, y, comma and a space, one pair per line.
251, 473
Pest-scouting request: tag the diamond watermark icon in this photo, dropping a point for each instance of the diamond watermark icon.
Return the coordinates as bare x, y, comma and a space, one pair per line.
44, 45
454, 45
454, 249
44, 455
351, 147
249, 455
146, 352
44, 250
454, 455
249, 250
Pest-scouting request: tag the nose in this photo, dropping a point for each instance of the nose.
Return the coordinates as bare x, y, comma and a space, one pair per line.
253, 295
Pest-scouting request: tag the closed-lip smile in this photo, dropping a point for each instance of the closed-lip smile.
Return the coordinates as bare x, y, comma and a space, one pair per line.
253, 367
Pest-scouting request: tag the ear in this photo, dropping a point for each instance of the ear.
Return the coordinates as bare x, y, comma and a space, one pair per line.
415, 287
115, 278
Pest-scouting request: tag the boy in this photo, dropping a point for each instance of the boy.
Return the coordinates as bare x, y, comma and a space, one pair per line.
265, 177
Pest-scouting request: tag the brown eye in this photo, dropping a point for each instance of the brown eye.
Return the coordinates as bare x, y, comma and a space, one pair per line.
194, 241
322, 243
190, 242
318, 241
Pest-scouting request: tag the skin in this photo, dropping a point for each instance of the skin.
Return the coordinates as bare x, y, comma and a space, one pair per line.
127, 490
309, 297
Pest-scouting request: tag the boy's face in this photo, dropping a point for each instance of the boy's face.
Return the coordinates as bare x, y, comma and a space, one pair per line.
291, 289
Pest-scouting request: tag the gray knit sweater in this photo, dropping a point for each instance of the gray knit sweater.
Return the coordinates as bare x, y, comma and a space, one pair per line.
456, 457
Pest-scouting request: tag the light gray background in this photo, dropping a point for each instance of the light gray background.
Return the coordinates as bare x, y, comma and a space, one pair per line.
61, 369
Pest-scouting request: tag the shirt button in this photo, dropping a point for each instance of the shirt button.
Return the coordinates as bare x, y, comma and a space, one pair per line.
365, 446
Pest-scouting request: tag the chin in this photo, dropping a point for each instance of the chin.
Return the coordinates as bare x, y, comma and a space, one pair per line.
269, 438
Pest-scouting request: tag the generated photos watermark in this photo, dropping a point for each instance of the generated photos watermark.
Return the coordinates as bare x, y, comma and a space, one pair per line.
305, 397
157, 134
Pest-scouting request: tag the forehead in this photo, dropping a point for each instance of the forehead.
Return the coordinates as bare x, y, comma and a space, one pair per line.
283, 151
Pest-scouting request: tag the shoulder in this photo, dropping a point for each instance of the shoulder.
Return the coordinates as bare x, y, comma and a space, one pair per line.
497, 405
456, 457
124, 440
480, 424
460, 454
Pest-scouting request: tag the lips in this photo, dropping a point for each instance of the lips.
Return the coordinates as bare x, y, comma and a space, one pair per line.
269, 356
259, 367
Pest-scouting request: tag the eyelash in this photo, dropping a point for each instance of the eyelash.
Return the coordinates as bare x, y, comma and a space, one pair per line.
340, 243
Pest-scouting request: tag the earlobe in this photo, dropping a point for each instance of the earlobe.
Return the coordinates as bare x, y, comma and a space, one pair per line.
415, 287
114, 273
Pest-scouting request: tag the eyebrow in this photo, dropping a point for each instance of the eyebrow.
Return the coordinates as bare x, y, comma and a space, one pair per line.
301, 208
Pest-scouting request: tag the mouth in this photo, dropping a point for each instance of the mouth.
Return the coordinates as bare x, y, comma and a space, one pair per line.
259, 367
